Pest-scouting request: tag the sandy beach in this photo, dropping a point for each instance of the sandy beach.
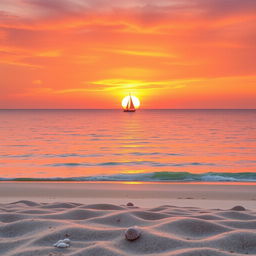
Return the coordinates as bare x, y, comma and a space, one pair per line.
173, 219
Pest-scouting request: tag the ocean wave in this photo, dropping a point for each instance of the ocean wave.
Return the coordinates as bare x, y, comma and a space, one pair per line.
17, 156
71, 155
153, 153
67, 155
156, 176
131, 163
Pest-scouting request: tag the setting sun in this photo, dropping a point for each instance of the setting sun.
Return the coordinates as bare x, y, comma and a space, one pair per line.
135, 101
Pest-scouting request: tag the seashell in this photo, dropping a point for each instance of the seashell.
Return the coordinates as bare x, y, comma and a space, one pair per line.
132, 234
129, 204
67, 241
60, 241
238, 208
62, 245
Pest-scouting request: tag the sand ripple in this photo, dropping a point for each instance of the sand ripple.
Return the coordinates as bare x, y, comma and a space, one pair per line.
28, 228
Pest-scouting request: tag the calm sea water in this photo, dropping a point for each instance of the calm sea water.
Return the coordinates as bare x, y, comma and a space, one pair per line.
207, 145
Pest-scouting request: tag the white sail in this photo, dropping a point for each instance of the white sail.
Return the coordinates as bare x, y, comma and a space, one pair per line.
130, 106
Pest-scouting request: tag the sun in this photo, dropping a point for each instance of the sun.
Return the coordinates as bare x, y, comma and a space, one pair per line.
135, 101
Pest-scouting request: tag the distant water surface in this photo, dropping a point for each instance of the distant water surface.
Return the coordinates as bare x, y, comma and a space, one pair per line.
153, 145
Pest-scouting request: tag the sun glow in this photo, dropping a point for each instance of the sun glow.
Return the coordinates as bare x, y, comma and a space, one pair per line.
135, 101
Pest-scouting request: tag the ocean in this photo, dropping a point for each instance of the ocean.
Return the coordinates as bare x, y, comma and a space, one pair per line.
110, 145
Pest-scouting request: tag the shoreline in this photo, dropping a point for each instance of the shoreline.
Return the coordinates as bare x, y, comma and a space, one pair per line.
154, 177
144, 194
232, 183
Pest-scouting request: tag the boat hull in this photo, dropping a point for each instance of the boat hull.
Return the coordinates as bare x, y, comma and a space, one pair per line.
129, 110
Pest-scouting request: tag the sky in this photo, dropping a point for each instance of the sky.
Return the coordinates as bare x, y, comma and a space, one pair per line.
92, 53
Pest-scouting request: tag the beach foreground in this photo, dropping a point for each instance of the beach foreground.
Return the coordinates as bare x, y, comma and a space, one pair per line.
189, 219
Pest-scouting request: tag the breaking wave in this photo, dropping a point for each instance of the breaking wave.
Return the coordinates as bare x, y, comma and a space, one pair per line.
156, 176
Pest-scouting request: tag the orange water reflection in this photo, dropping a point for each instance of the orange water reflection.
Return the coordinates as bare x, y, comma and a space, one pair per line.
47, 144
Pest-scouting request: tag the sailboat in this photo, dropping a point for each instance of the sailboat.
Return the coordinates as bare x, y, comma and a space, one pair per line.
130, 106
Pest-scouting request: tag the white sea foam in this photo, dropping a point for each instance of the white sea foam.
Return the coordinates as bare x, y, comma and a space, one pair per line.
160, 176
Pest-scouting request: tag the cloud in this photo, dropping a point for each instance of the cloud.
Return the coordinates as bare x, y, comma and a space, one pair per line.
124, 84
145, 13
37, 82
18, 56
52, 53
143, 53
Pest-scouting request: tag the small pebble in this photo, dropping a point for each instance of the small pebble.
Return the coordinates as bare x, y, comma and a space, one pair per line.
238, 208
130, 204
132, 234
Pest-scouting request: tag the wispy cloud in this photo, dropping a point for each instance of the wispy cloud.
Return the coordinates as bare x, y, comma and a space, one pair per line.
19, 56
51, 53
19, 64
122, 84
143, 53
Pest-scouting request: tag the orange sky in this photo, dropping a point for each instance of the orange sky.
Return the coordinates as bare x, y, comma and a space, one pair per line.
91, 53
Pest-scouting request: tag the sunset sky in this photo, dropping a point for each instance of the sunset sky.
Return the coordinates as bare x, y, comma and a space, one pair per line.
92, 53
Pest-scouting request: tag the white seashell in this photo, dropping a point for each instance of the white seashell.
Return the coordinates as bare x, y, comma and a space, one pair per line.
60, 241
67, 241
132, 234
62, 245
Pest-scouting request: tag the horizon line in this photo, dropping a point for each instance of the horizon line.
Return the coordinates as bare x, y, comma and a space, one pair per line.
121, 109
